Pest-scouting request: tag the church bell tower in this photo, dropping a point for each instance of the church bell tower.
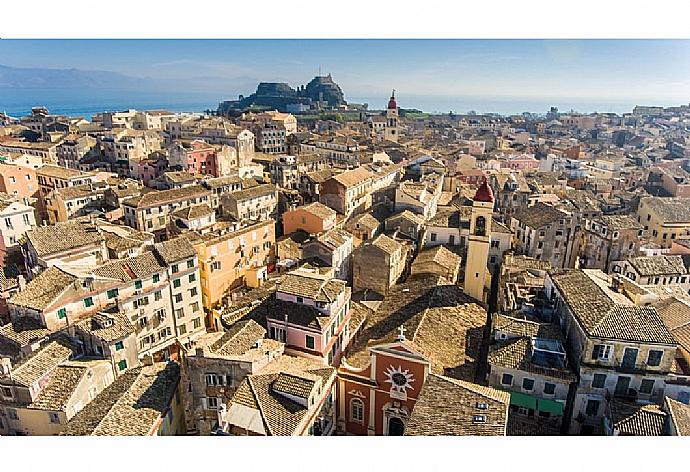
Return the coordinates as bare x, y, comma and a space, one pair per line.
477, 275
391, 129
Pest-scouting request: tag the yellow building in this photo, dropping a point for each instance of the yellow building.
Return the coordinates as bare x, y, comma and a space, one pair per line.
227, 259
665, 219
477, 276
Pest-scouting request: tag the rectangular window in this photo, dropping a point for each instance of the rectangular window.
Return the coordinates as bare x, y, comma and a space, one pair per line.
178, 298
212, 403
174, 268
601, 352
88, 302
156, 278
158, 295
654, 357
119, 346
122, 365
310, 342
193, 292
647, 386
192, 278
182, 329
592, 407
112, 293
190, 263
549, 388
177, 283
138, 284
195, 307
433, 237
179, 313
599, 380
54, 417
62, 313
197, 323
507, 379
528, 384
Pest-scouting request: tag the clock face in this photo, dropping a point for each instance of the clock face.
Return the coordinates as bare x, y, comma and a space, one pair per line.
399, 379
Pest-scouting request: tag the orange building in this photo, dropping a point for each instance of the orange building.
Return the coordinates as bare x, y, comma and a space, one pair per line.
314, 218
18, 181
234, 258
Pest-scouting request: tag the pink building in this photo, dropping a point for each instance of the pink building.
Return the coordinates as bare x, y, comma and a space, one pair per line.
311, 315
195, 157
521, 162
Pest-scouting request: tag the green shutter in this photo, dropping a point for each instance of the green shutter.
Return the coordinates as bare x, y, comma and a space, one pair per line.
521, 399
550, 406
122, 365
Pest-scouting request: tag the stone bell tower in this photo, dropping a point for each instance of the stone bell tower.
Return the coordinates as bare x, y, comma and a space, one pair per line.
391, 129
476, 272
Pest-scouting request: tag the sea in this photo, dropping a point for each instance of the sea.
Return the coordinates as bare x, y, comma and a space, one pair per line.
86, 103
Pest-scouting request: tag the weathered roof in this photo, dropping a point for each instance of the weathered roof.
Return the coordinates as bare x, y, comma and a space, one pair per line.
633, 419
450, 407
107, 326
386, 244
669, 210
252, 192
446, 325
24, 331
517, 354
130, 269
353, 177
130, 406
63, 237
658, 265
175, 250
311, 285
158, 197
280, 415
538, 215
620, 222
605, 314
40, 363
318, 209
194, 211
60, 388
437, 255
44, 289
679, 415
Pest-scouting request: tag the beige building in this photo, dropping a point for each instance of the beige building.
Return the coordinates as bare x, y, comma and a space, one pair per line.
664, 219
377, 265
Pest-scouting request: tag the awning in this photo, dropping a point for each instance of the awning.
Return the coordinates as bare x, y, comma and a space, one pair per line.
550, 406
521, 399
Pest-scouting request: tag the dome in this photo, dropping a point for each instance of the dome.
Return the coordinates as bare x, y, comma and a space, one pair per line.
484, 193
392, 104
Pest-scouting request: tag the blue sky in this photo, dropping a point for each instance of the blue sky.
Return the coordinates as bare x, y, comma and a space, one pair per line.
645, 70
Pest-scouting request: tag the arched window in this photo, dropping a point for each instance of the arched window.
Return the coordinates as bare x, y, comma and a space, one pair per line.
480, 226
357, 410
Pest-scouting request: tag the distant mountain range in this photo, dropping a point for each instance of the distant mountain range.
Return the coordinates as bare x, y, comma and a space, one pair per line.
75, 79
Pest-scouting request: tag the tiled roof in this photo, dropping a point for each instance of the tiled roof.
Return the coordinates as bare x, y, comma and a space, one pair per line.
240, 338
443, 322
44, 289
679, 414
280, 415
319, 210
300, 386
159, 197
194, 211
658, 265
298, 314
527, 328
130, 269
252, 192
386, 244
130, 406
311, 285
175, 250
408, 215
538, 215
517, 354
40, 363
59, 172
63, 237
437, 255
620, 222
676, 316
24, 331
633, 419
353, 177
606, 314
334, 238
107, 326
450, 407
60, 388
669, 210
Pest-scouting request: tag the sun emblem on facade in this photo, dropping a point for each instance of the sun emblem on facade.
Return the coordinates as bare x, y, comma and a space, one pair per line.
399, 379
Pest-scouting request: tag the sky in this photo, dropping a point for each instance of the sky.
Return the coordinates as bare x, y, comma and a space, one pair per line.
650, 71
